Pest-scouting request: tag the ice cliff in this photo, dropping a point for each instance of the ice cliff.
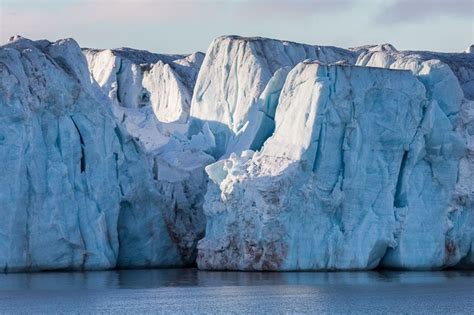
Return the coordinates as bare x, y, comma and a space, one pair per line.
76, 192
449, 79
366, 167
276, 155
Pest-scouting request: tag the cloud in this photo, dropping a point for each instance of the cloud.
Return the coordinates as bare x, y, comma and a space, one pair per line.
400, 11
295, 8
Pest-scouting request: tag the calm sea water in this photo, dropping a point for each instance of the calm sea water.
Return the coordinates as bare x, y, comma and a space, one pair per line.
189, 291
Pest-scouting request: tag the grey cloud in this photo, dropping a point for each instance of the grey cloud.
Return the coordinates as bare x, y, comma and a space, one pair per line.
412, 10
295, 8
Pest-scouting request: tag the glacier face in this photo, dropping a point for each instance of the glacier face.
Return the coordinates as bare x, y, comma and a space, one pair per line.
448, 81
73, 182
327, 158
334, 190
323, 183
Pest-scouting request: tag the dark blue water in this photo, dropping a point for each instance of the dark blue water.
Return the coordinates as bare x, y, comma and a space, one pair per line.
189, 291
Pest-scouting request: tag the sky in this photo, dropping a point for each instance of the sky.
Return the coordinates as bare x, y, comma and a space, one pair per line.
185, 26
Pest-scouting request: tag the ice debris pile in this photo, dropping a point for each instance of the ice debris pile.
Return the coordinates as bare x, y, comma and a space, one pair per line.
273, 155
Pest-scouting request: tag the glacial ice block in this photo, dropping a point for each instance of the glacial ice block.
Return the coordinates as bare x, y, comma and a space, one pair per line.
439, 68
328, 190
444, 149
233, 76
150, 95
135, 79
70, 176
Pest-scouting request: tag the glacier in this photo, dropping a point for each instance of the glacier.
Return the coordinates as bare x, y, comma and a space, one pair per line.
260, 154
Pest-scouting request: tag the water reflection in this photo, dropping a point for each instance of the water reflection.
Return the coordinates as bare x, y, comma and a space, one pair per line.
143, 279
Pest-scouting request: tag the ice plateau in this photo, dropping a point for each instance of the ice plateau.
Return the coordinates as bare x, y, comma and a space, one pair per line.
275, 155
